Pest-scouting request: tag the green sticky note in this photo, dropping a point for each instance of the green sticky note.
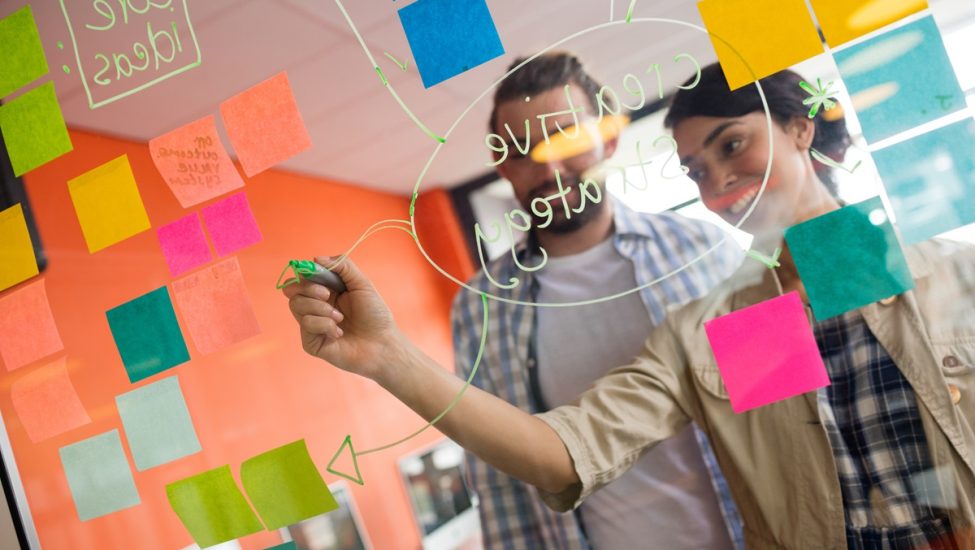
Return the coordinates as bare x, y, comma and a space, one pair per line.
21, 53
99, 475
33, 129
212, 508
849, 258
147, 335
285, 486
157, 423
285, 546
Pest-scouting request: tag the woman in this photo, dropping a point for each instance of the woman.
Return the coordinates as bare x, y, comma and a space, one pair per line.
871, 461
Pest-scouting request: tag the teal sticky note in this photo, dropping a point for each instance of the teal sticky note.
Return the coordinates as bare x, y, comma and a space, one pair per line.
285, 546
930, 180
21, 54
157, 423
33, 129
212, 508
285, 486
147, 335
849, 258
99, 475
900, 79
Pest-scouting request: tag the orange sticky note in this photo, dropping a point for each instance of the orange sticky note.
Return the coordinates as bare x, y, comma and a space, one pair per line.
194, 163
17, 261
264, 125
47, 403
108, 204
216, 307
844, 20
27, 328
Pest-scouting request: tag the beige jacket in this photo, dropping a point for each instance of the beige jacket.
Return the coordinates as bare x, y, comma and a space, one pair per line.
777, 458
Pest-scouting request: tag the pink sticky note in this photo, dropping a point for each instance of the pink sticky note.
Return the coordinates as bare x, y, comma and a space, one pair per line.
766, 352
184, 245
231, 224
194, 163
27, 328
264, 125
47, 403
216, 307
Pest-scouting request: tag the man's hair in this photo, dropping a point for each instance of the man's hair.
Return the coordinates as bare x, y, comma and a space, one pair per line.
546, 72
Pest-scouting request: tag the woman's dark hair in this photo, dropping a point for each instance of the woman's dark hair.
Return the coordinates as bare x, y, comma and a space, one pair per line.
711, 97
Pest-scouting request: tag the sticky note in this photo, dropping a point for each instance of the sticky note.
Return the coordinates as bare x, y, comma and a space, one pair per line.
194, 163
183, 244
264, 125
845, 20
27, 328
147, 335
285, 486
448, 38
212, 508
46, 401
756, 38
99, 475
930, 180
285, 546
17, 261
157, 423
21, 53
33, 129
216, 307
766, 352
108, 204
231, 224
900, 79
849, 258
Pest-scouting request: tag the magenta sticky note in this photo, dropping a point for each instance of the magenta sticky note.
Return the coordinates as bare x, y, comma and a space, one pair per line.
231, 224
766, 352
184, 245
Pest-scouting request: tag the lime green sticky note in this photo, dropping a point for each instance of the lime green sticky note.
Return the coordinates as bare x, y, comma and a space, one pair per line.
17, 261
21, 53
285, 486
108, 204
212, 508
33, 129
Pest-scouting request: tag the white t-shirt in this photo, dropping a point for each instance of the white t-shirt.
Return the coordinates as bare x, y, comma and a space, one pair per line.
666, 500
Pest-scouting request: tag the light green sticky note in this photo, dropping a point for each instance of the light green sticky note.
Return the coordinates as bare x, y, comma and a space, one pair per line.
285, 486
99, 476
212, 508
157, 423
21, 53
33, 129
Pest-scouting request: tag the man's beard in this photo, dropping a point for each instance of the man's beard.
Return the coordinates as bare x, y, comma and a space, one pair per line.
561, 224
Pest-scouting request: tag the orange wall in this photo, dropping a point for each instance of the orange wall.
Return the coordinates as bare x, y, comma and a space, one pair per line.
245, 399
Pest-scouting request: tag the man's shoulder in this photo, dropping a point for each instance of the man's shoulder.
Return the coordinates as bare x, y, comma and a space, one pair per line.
672, 224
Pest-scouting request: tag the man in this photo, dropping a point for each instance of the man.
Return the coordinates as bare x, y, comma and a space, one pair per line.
541, 357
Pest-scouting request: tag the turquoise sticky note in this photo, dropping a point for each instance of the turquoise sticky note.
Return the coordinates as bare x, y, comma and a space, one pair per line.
147, 335
900, 79
21, 53
448, 37
849, 258
33, 129
930, 180
157, 423
99, 475
212, 508
285, 546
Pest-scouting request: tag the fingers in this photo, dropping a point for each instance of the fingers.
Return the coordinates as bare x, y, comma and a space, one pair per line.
347, 270
304, 306
320, 326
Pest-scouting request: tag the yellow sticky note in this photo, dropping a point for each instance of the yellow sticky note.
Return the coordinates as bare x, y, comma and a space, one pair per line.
17, 262
756, 38
844, 20
108, 204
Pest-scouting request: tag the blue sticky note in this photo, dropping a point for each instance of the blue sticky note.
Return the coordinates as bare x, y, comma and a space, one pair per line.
99, 475
849, 258
930, 180
448, 37
900, 79
147, 335
157, 423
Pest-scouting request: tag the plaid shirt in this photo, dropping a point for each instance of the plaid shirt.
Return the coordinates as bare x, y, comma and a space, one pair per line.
660, 246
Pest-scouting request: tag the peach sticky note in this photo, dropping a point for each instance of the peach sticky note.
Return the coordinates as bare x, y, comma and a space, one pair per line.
183, 244
231, 224
845, 20
17, 261
765, 36
215, 306
264, 125
47, 403
194, 163
108, 204
27, 328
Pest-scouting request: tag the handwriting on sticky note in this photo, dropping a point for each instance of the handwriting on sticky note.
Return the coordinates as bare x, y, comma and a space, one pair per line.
212, 508
27, 328
99, 475
46, 401
17, 261
157, 423
108, 204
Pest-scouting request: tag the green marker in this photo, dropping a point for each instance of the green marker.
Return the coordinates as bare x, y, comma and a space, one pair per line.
319, 274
